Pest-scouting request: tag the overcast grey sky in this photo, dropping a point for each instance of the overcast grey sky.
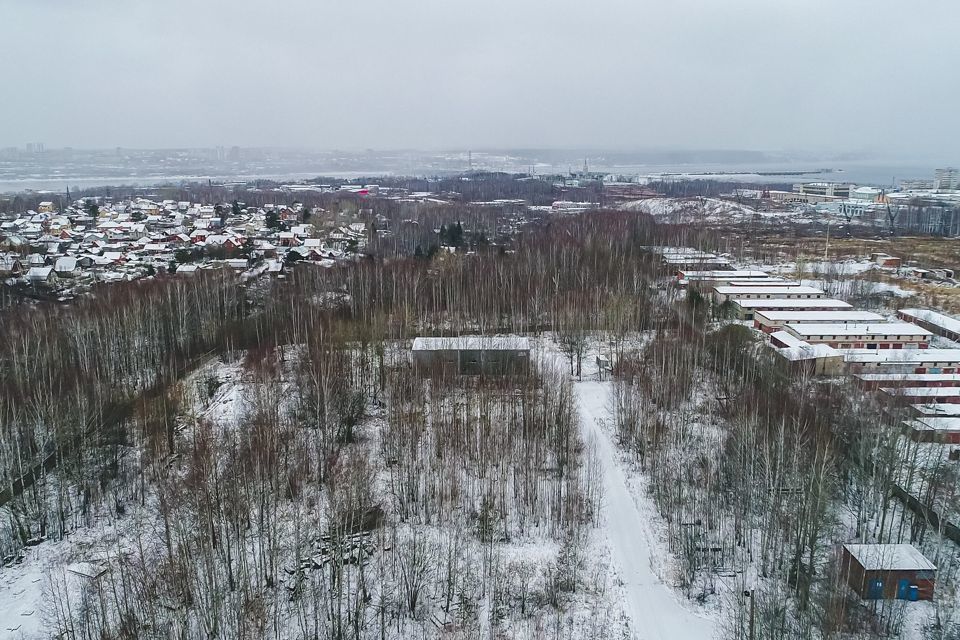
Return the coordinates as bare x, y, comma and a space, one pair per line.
832, 75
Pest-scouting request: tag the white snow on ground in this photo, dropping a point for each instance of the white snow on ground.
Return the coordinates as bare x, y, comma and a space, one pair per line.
697, 209
21, 590
656, 612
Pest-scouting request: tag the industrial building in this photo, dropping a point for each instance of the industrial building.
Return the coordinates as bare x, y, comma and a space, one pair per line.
746, 309
769, 321
472, 355
725, 293
938, 323
738, 282
940, 430
811, 359
877, 380
927, 395
935, 410
706, 276
687, 258
881, 335
695, 260
903, 360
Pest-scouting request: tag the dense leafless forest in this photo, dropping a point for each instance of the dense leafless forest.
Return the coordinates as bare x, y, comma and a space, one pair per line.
340, 495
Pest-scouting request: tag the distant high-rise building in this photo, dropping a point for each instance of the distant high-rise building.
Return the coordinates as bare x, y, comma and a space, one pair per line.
916, 184
945, 179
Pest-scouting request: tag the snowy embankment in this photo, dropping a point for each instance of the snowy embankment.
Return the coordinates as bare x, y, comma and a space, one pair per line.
655, 610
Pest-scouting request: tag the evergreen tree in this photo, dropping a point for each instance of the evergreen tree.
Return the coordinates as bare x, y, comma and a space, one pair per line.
455, 235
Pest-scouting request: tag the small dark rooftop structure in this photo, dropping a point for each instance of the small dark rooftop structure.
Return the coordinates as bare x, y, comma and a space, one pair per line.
472, 355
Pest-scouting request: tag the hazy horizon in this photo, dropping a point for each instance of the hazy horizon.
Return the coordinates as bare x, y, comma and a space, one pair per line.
815, 77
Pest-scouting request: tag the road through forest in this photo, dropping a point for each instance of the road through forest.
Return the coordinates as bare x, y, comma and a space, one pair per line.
655, 611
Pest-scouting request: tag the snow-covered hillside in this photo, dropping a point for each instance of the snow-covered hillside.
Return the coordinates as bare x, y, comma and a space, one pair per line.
704, 210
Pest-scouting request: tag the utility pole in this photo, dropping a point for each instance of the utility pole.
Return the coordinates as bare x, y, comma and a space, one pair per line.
826, 249
751, 613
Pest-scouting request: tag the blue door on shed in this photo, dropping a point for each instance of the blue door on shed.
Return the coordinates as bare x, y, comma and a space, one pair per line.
903, 589
875, 590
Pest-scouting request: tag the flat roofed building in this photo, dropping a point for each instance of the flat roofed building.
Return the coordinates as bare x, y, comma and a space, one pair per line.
942, 430
945, 179
880, 335
689, 274
785, 340
933, 321
877, 380
888, 571
758, 282
726, 293
704, 261
903, 360
473, 355
771, 320
813, 359
745, 309
823, 189
935, 410
927, 395
738, 282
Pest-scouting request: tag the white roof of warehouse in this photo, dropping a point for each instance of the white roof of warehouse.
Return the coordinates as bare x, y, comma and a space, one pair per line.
949, 356
923, 392
693, 275
890, 557
788, 339
930, 423
913, 377
806, 351
757, 282
488, 343
934, 318
935, 410
768, 289
816, 303
690, 259
800, 316
874, 329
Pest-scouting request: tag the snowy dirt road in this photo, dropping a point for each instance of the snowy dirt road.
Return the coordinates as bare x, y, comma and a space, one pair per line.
655, 611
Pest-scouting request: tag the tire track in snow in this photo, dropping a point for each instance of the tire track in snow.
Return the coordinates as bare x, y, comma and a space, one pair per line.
655, 612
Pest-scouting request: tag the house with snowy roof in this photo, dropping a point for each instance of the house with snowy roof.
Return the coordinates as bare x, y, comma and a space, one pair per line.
888, 571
